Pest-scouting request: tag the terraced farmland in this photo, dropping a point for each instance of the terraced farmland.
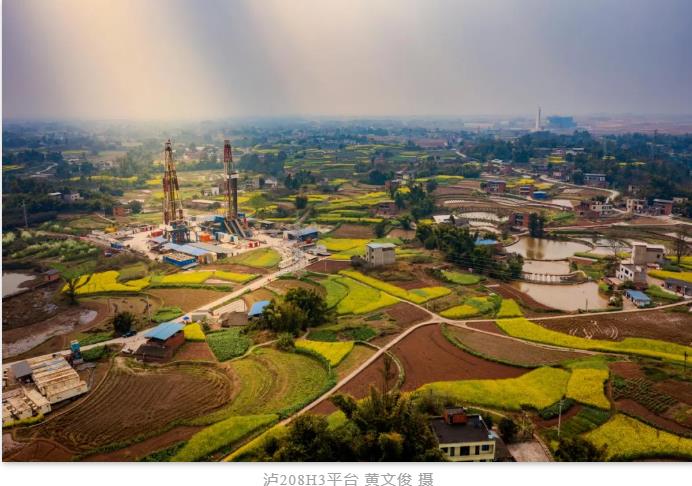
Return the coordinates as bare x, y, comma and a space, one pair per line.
134, 402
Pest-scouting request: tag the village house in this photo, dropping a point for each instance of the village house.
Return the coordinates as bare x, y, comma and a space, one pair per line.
595, 180
162, 342
495, 186
464, 437
379, 254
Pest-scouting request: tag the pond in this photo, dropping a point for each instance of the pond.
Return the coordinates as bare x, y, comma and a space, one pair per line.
565, 203
542, 249
560, 267
565, 297
12, 281
605, 246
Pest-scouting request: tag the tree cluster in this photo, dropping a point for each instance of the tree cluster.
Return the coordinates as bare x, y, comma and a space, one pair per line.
299, 310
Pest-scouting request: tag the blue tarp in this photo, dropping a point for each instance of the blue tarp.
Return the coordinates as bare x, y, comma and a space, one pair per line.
483, 242
257, 308
165, 330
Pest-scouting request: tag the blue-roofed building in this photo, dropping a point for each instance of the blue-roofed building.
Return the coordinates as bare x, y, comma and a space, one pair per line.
201, 255
257, 309
485, 242
303, 234
639, 298
540, 195
162, 342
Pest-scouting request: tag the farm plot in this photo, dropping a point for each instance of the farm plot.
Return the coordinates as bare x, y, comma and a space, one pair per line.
537, 389
352, 231
107, 282
508, 350
283, 285
630, 439
227, 344
274, 382
361, 299
427, 356
586, 386
461, 278
509, 308
334, 352
355, 358
132, 403
186, 299
417, 296
525, 329
221, 435
655, 324
259, 258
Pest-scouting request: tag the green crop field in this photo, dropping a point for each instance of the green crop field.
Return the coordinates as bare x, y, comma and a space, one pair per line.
417, 296
461, 278
536, 389
272, 381
664, 274
335, 291
629, 439
234, 277
228, 344
342, 244
525, 329
460, 312
334, 352
222, 435
165, 314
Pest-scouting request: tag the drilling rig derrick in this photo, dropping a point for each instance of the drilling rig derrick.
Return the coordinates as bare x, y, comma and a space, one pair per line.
173, 219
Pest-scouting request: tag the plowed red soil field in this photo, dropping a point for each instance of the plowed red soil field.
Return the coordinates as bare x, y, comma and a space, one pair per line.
131, 403
428, 356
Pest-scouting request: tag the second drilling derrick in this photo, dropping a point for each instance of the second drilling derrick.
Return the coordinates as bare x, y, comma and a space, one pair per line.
173, 218
230, 174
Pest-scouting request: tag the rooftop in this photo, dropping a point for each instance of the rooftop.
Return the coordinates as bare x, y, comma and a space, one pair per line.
474, 430
257, 308
187, 249
383, 246
165, 330
638, 295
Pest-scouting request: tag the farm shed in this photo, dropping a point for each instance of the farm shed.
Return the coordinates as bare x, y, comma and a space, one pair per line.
463, 437
21, 371
639, 298
55, 379
257, 309
162, 342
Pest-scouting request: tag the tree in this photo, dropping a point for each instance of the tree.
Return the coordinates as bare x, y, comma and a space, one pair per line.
301, 201
314, 306
135, 206
75, 278
285, 342
508, 430
577, 449
680, 244
431, 185
123, 322
405, 221
380, 228
536, 223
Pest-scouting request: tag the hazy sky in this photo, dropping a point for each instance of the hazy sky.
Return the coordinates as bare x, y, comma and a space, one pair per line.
189, 59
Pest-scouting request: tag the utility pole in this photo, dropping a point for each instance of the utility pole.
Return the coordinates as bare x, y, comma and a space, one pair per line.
26, 219
559, 419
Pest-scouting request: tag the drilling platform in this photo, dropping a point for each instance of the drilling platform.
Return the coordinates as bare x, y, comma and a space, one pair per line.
175, 227
230, 174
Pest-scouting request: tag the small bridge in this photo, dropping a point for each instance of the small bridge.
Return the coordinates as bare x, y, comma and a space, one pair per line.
550, 278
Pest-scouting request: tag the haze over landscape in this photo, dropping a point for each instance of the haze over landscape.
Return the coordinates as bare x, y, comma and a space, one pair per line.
189, 60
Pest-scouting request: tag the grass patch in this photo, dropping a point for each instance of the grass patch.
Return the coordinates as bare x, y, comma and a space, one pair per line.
336, 291
228, 344
259, 258
461, 278
165, 314
656, 292
88, 338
